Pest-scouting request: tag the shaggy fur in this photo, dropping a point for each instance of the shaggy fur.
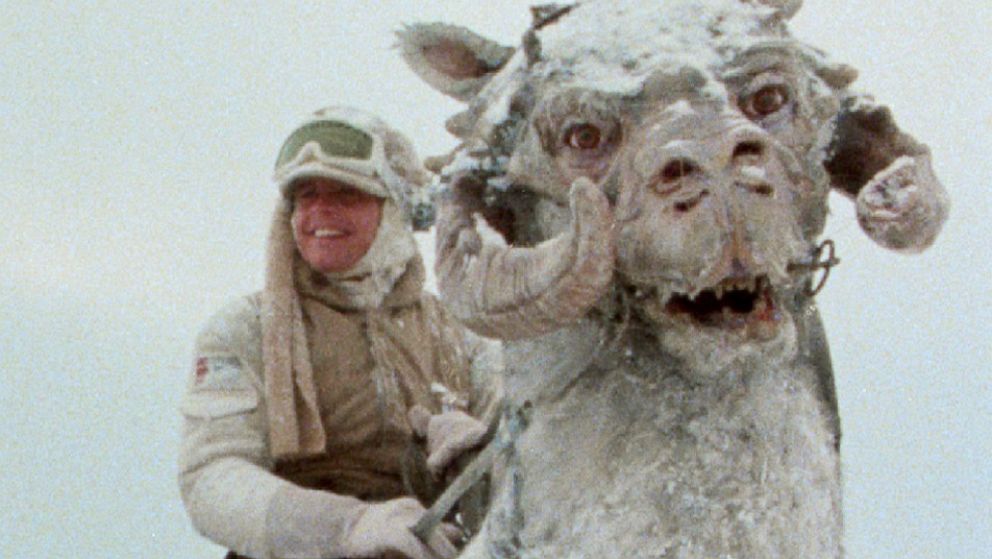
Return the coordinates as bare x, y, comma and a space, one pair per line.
659, 174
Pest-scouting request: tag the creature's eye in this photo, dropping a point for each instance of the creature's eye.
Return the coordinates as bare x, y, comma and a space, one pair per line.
765, 101
583, 137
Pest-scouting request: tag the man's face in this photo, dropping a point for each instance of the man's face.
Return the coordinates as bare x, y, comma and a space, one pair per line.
334, 224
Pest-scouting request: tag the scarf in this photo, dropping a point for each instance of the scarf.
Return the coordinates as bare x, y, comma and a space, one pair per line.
295, 426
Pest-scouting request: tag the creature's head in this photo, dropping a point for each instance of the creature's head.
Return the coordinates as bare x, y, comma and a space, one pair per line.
679, 151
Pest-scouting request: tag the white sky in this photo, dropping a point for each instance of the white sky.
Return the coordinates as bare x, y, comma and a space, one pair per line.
137, 140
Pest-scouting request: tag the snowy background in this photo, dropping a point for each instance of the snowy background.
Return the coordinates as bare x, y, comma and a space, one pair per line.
137, 141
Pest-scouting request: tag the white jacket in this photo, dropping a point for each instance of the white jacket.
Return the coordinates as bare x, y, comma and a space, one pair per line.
225, 463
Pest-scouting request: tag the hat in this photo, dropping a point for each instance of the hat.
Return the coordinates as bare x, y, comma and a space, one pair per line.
358, 149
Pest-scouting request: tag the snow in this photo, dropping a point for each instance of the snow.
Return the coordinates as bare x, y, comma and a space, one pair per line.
754, 173
622, 62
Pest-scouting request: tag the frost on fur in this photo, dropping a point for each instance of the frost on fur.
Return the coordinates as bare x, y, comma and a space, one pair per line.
658, 173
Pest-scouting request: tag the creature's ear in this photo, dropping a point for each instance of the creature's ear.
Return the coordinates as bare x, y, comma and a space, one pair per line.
865, 141
451, 59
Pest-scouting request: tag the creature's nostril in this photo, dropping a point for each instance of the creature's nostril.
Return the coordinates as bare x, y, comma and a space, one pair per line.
764, 189
686, 205
677, 169
748, 150
757, 187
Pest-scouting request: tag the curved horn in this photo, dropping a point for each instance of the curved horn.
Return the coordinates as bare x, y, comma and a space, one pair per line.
900, 202
514, 292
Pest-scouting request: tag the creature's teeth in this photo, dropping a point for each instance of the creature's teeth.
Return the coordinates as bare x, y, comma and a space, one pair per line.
719, 291
665, 294
752, 285
727, 313
761, 306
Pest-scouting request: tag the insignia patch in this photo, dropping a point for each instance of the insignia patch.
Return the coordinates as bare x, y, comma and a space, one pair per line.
201, 370
218, 373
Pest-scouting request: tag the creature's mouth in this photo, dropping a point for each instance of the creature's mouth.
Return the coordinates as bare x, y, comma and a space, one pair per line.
733, 304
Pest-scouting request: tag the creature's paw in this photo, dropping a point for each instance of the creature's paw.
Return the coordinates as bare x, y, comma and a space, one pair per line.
904, 206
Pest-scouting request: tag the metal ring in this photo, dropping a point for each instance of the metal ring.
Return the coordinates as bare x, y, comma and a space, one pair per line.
826, 264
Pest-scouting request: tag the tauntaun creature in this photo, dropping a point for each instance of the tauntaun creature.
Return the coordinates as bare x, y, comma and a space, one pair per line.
636, 207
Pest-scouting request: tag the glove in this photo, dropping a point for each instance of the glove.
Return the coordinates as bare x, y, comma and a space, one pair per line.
449, 435
384, 529
307, 524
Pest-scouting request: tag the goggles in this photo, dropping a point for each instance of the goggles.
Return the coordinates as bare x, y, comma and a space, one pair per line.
332, 149
335, 139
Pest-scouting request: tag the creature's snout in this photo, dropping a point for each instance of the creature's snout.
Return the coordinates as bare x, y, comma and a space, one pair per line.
705, 198
686, 159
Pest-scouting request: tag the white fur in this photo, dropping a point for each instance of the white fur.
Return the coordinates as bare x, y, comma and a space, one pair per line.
626, 457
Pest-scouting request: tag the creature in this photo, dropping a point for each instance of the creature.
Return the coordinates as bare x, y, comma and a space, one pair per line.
636, 208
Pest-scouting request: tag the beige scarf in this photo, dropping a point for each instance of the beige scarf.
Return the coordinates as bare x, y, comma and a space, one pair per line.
295, 426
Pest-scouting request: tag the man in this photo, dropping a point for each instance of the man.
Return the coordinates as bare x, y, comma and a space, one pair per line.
306, 401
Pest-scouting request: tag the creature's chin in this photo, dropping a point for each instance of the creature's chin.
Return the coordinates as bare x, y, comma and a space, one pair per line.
726, 330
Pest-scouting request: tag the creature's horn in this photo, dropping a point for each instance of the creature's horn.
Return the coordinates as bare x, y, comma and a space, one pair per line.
515, 292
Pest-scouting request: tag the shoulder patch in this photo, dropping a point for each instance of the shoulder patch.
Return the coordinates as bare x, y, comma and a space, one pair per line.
218, 373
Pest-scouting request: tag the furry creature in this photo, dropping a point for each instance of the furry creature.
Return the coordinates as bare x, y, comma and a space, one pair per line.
635, 207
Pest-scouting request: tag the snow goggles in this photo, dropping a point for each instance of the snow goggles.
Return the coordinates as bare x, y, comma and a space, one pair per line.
336, 139
334, 149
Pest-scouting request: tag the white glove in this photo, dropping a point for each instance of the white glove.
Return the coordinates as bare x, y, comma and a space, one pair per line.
308, 524
448, 434
384, 529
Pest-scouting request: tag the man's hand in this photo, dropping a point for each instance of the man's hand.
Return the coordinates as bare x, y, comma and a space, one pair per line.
383, 530
449, 435
309, 523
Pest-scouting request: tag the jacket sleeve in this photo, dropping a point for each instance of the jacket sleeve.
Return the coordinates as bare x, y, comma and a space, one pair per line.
224, 465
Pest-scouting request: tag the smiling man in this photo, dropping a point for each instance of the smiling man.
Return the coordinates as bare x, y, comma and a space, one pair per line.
334, 224
322, 412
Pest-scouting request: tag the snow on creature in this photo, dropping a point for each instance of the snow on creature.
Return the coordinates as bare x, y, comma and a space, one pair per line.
657, 173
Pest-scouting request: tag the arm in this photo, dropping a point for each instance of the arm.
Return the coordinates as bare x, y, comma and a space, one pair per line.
225, 476
453, 436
